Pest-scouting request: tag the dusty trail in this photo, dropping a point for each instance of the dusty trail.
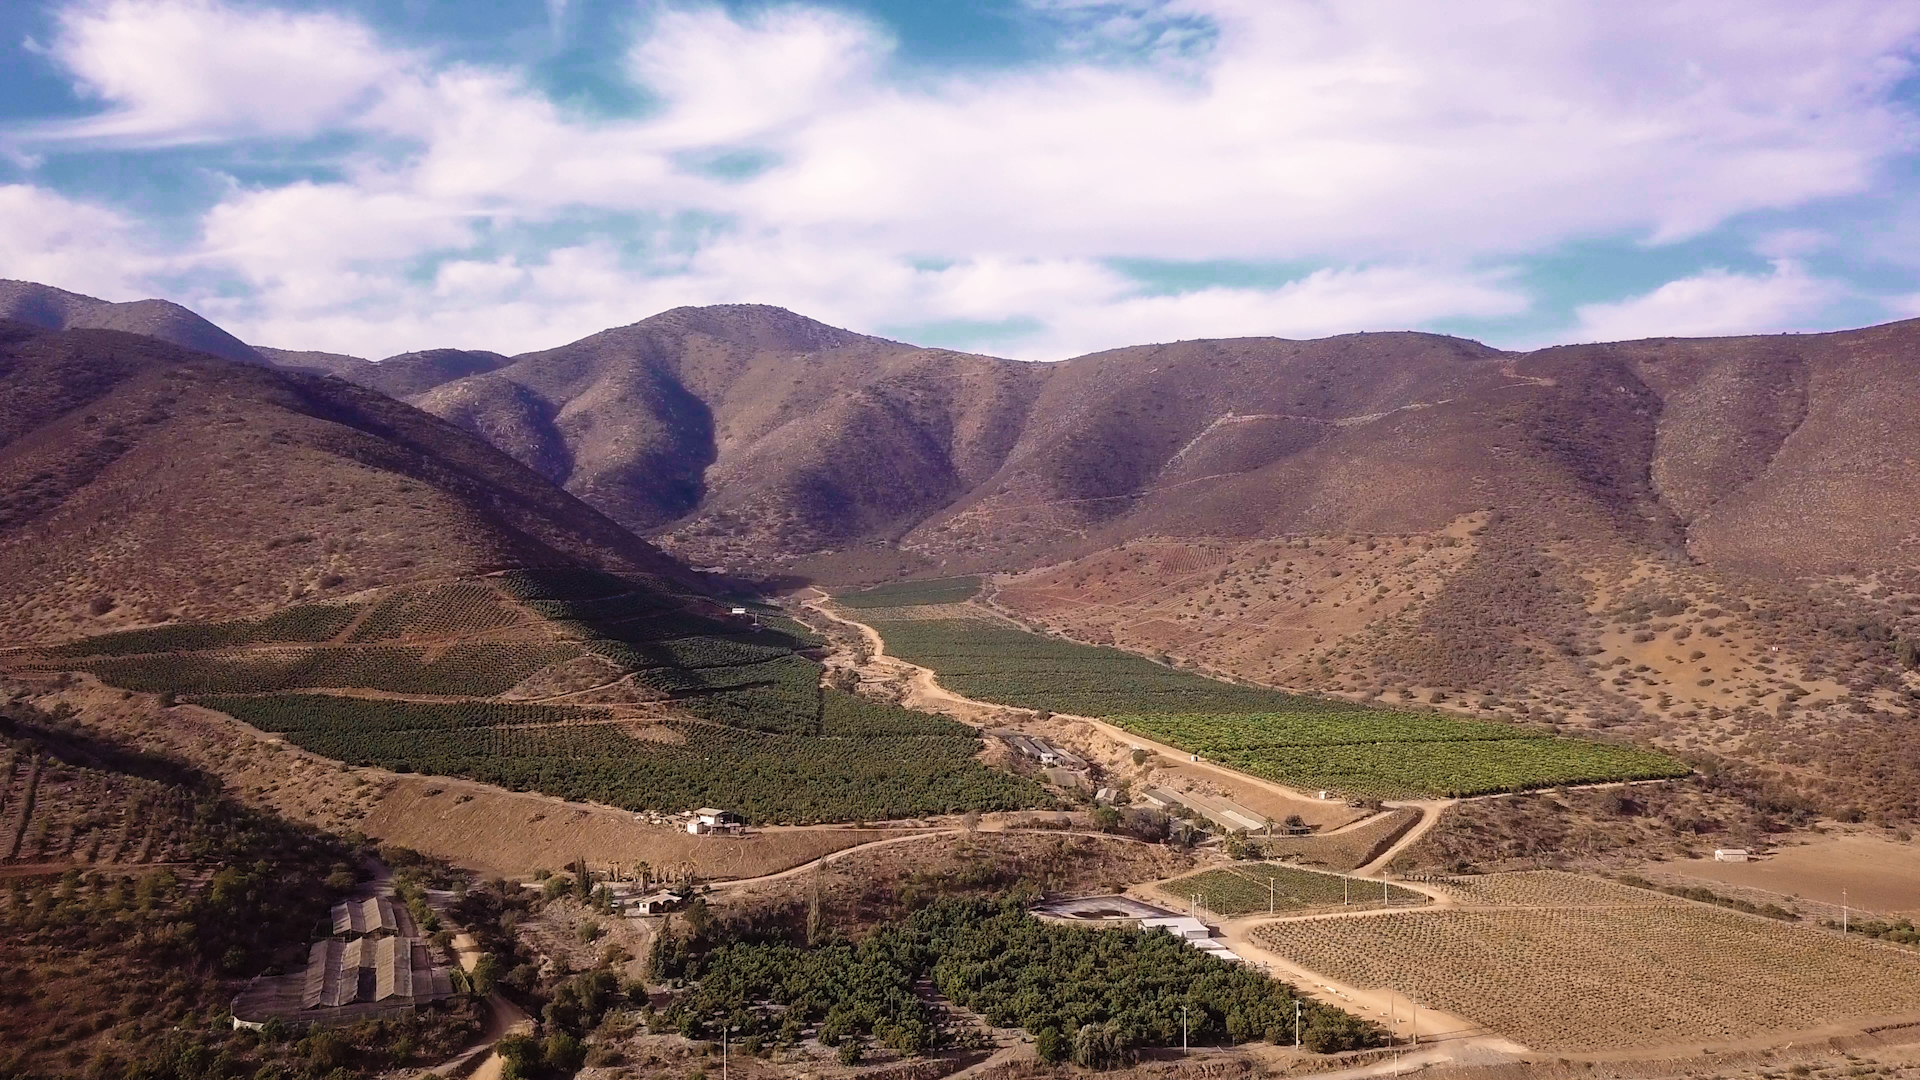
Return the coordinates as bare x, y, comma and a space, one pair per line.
830, 857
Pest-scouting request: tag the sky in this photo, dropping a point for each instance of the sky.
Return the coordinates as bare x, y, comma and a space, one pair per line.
1026, 178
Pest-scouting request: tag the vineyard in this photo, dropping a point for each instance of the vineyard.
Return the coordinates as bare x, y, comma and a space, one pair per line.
1586, 978
875, 764
477, 669
912, 593
436, 611
766, 738
1251, 888
307, 622
1292, 739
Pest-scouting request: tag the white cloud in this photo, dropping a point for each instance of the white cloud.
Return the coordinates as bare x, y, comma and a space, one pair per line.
71, 245
198, 70
1713, 303
1405, 146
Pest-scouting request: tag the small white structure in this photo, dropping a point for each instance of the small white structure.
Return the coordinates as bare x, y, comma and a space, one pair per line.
708, 819
654, 903
738, 611
1730, 854
1184, 927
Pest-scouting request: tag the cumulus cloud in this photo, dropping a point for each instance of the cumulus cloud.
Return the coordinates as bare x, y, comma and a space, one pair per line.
1713, 303
48, 238
1404, 147
178, 71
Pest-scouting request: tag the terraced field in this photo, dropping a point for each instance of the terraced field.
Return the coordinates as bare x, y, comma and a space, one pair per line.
1303, 741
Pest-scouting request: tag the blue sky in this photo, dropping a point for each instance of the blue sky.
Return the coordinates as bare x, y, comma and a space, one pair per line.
1033, 178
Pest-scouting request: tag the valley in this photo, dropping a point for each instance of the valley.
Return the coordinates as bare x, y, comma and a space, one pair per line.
729, 676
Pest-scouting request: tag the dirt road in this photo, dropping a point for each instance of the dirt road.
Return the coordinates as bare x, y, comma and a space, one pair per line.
831, 857
928, 693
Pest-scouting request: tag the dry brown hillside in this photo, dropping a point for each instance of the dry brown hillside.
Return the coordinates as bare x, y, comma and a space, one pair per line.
140, 482
56, 309
744, 431
753, 436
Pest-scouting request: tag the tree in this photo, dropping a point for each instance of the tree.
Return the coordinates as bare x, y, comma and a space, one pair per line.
1331, 1031
1106, 818
1050, 1045
1100, 1046
565, 1054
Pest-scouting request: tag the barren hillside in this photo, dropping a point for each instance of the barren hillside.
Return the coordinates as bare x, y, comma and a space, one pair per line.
56, 309
140, 482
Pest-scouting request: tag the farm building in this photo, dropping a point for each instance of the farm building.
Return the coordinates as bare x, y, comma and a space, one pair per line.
373, 915
1193, 932
1040, 750
1225, 813
709, 820
1125, 911
654, 903
345, 982
1735, 854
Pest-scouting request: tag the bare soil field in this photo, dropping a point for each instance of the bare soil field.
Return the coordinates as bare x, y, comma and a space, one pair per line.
1877, 874
1347, 850
513, 834
1570, 964
876, 883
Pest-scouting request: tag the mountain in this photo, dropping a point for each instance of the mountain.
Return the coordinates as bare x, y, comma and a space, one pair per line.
1709, 543
397, 376
751, 428
749, 434
56, 309
141, 482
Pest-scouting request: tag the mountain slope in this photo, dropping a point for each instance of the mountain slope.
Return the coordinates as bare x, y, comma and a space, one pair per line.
56, 309
750, 426
752, 436
140, 482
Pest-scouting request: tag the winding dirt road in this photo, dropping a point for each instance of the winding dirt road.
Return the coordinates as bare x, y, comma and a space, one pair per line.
928, 693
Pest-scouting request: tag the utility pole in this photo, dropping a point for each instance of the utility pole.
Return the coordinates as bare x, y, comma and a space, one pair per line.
1269, 896
1343, 891
1392, 1019
725, 1030
1843, 912
1296, 1023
